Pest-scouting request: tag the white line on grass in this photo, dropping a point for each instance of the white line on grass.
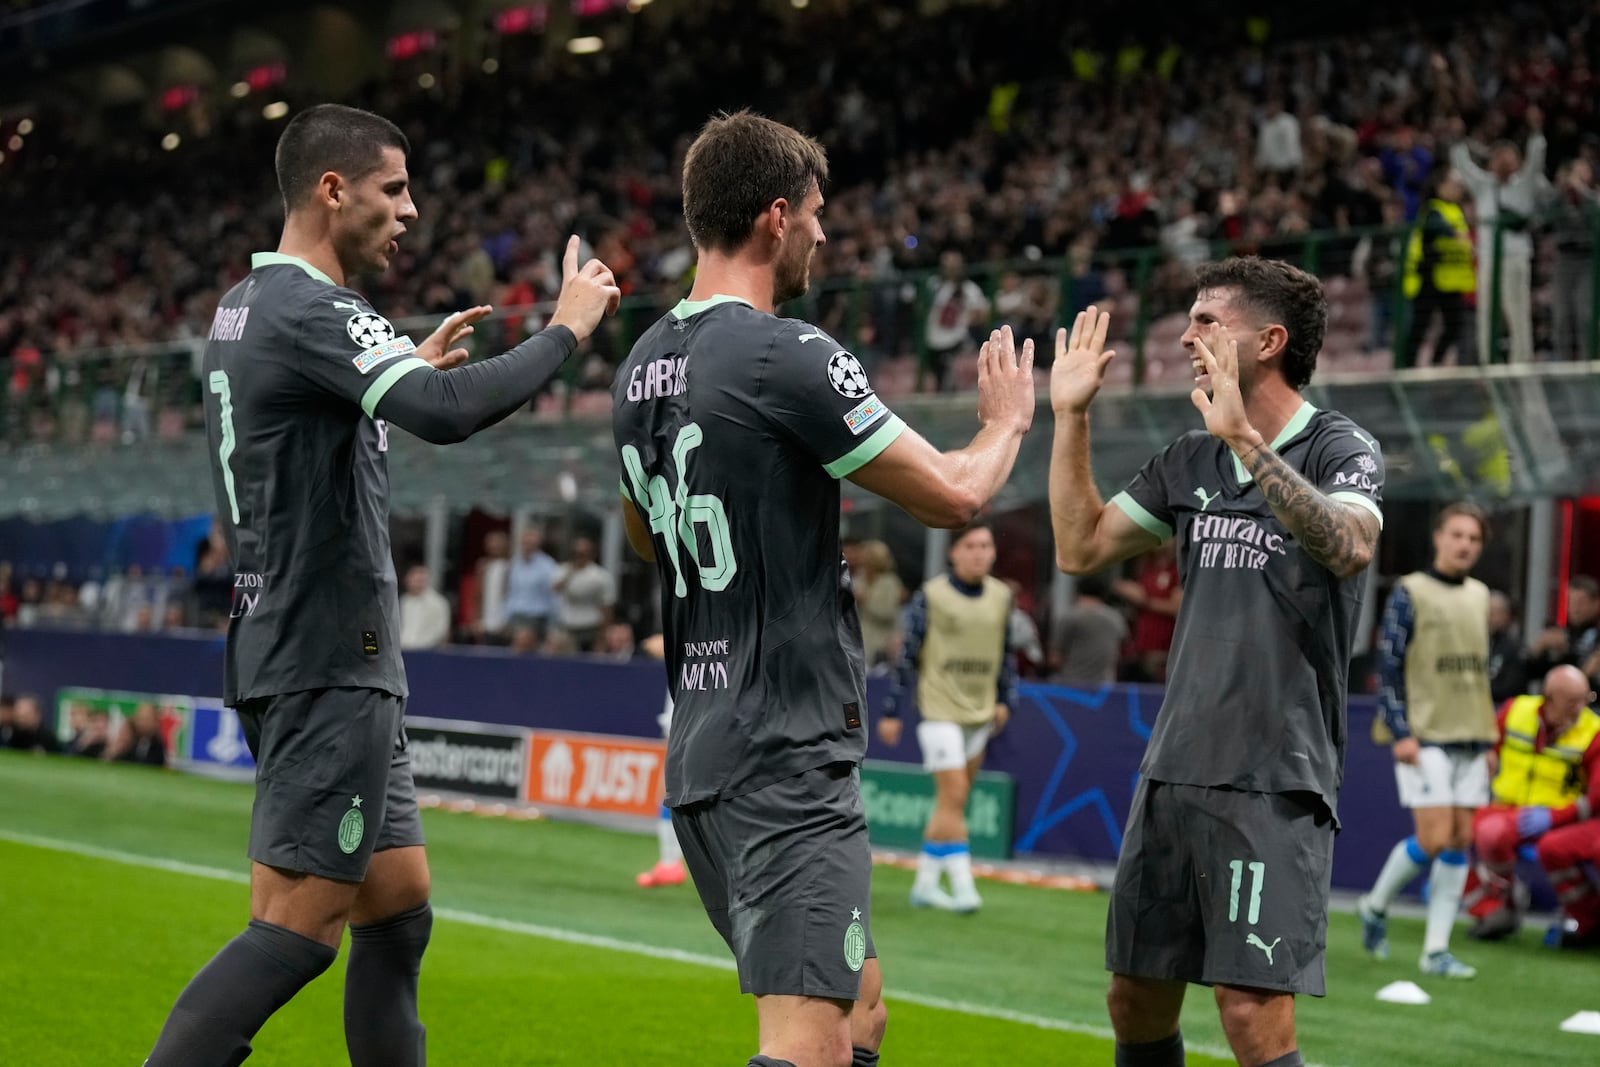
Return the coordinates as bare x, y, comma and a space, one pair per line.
575, 937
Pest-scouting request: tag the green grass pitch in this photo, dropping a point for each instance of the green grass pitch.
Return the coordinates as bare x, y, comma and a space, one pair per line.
117, 883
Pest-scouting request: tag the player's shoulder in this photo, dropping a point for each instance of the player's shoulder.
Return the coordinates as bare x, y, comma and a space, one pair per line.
1328, 425
1191, 446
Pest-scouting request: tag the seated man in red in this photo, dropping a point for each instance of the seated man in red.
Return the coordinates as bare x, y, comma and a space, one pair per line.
1546, 787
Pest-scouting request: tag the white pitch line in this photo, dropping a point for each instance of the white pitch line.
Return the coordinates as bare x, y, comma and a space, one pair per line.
575, 937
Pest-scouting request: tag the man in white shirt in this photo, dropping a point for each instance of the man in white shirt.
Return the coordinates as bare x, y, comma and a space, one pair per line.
957, 308
424, 612
1278, 148
1506, 196
586, 593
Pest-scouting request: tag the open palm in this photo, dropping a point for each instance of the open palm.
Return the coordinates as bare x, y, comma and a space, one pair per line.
1081, 360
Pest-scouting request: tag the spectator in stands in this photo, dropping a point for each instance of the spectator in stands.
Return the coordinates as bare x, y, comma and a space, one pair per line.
494, 575
1022, 632
424, 611
213, 580
28, 732
530, 599
616, 642
1156, 596
879, 594
1507, 677
1376, 261
1577, 643
1406, 166
1278, 150
957, 309
1438, 273
1088, 642
524, 640
93, 739
8, 593
1573, 216
1506, 199
140, 740
8, 719
586, 594
1545, 790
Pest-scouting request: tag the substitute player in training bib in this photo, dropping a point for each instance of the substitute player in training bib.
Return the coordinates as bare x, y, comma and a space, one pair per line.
1225, 865
958, 646
1433, 663
302, 380
733, 427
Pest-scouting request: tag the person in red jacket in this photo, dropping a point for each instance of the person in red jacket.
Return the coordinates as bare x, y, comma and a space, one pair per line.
1546, 788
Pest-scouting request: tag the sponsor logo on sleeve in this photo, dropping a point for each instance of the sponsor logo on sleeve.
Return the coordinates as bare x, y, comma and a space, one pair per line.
369, 329
1359, 478
865, 414
847, 377
399, 346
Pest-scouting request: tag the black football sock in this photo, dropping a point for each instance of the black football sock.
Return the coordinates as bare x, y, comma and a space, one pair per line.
223, 1006
381, 1028
1288, 1059
863, 1057
1168, 1052
767, 1061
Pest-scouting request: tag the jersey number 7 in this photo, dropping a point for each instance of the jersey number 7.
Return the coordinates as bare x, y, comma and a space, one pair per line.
220, 386
674, 514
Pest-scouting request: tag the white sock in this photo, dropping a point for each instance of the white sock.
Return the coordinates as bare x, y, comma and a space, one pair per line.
1446, 881
667, 837
929, 867
1403, 865
959, 864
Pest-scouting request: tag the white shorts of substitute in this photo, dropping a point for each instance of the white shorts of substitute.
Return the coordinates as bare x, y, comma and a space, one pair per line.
949, 746
1444, 778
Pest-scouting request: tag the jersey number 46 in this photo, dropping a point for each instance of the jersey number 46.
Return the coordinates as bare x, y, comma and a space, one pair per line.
674, 513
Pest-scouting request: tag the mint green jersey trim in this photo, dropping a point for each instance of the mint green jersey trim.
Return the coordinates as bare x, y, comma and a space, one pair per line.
686, 308
375, 392
867, 450
625, 494
268, 259
1297, 422
1359, 501
1135, 511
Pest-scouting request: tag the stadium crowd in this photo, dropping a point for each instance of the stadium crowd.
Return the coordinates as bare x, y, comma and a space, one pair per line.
1037, 168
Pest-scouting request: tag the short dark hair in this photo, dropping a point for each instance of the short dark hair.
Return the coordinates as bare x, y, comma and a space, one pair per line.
960, 534
737, 166
1585, 585
345, 140
1467, 508
1283, 293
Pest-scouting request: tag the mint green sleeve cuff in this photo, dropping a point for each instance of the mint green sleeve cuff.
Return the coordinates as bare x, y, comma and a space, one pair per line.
1136, 511
376, 391
1361, 502
867, 450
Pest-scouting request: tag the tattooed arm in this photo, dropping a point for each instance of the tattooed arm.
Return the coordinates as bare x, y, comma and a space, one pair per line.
1341, 537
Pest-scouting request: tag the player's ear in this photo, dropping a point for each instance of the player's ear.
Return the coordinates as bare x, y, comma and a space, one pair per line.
776, 218
330, 190
1274, 339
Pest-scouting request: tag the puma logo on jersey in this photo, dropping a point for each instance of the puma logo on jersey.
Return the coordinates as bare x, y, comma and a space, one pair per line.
1205, 499
1255, 942
347, 304
812, 336
1372, 445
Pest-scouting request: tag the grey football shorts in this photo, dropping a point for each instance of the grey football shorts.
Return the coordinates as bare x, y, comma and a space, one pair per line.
1222, 887
785, 874
333, 780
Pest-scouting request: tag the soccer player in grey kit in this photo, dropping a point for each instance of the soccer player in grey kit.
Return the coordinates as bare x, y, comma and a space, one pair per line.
1224, 871
302, 377
734, 427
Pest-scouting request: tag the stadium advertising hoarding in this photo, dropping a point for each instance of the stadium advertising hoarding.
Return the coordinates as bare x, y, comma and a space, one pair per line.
462, 757
175, 713
899, 799
591, 772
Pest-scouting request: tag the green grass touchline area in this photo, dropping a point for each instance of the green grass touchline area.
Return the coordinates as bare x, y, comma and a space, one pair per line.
117, 883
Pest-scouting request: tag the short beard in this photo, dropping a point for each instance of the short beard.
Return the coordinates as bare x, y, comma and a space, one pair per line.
791, 281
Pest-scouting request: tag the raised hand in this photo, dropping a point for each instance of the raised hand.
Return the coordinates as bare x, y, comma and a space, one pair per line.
1005, 381
1218, 360
439, 351
587, 294
1081, 360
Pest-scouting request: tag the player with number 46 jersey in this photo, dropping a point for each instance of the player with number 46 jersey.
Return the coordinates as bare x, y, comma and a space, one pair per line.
733, 427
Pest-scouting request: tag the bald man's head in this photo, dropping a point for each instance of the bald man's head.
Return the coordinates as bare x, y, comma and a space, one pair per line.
1566, 692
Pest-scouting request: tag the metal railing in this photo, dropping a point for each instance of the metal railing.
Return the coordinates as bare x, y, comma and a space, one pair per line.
126, 395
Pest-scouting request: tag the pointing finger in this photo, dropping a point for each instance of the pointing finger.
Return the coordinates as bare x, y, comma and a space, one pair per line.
569, 262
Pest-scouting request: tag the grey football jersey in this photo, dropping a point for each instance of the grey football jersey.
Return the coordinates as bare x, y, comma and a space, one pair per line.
293, 369
734, 427
1256, 679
